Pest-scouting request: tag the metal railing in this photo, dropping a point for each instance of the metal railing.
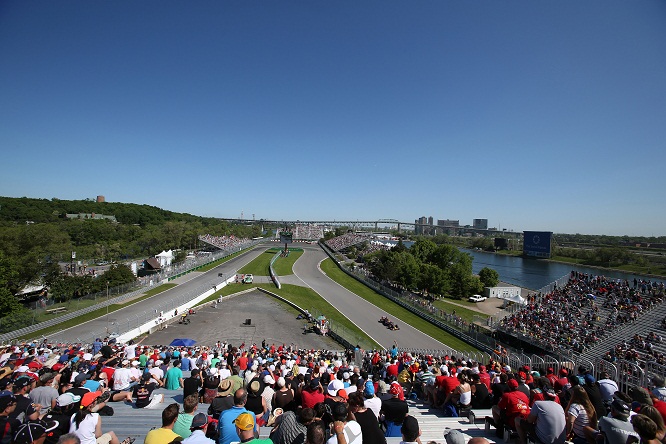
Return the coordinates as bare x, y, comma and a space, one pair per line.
174, 272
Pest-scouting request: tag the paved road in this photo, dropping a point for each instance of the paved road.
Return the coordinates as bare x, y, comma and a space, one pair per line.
188, 285
358, 310
307, 273
270, 321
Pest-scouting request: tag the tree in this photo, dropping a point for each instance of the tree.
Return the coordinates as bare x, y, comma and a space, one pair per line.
488, 277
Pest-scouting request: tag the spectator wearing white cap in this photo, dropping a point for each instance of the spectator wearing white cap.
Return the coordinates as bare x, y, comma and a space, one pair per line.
268, 392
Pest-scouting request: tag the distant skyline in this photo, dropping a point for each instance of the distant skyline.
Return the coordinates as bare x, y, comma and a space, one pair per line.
533, 115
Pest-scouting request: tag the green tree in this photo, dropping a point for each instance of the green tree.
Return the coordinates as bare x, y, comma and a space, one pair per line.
488, 277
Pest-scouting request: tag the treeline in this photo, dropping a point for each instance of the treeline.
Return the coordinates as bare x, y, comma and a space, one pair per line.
604, 257
24, 209
30, 253
439, 269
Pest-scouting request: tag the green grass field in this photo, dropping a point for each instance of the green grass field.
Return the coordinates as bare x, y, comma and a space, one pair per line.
464, 313
99, 312
392, 308
283, 265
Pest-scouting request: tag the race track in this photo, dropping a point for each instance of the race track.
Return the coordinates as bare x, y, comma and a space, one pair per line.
306, 273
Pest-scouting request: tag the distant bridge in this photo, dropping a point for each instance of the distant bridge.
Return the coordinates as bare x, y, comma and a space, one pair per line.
365, 225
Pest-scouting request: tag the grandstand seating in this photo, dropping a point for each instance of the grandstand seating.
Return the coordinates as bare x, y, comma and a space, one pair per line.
223, 242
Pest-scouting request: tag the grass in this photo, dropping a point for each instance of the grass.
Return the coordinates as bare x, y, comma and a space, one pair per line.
99, 312
464, 313
214, 264
284, 265
392, 308
259, 266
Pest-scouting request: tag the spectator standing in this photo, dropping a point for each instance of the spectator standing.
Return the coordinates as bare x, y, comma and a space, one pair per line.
174, 377
223, 400
192, 384
393, 412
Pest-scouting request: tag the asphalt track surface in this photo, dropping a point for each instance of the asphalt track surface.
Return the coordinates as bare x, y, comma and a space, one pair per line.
306, 273
362, 313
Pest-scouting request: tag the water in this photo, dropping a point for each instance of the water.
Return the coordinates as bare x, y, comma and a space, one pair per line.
531, 273
535, 274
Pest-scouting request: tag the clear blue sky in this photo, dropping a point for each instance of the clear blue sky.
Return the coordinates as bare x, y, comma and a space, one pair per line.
535, 115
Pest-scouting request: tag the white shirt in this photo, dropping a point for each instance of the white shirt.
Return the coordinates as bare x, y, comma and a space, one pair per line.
121, 378
352, 432
374, 404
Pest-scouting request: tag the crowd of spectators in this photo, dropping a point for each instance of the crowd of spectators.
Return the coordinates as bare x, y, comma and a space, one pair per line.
639, 350
224, 242
345, 241
304, 395
308, 232
586, 309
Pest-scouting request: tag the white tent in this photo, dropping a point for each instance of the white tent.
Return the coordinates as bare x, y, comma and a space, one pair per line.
165, 258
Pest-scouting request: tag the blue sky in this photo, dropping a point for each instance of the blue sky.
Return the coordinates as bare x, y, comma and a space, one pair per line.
534, 115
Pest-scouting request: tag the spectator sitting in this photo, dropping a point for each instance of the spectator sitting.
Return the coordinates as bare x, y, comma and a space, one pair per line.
616, 428
199, 428
184, 420
545, 421
165, 434
88, 425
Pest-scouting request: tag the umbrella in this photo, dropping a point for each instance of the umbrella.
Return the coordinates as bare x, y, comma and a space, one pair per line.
182, 342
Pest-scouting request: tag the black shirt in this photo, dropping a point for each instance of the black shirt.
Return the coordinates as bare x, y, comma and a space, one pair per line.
191, 386
142, 393
370, 427
394, 410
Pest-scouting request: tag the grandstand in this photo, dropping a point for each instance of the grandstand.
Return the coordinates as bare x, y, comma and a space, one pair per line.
223, 242
307, 232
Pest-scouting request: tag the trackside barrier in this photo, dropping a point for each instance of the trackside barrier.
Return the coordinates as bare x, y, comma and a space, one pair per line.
161, 278
479, 344
332, 332
274, 276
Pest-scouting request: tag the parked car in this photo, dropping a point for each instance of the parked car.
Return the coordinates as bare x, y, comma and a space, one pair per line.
477, 298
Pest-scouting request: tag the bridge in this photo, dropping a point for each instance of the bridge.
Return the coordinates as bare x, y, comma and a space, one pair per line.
375, 225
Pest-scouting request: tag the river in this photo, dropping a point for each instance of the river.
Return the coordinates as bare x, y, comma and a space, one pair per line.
535, 274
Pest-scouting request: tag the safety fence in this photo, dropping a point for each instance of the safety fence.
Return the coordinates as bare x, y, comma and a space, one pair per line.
175, 271
274, 277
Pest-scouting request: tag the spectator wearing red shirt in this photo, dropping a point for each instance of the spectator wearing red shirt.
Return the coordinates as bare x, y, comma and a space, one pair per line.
241, 362
312, 394
484, 376
562, 381
392, 370
513, 404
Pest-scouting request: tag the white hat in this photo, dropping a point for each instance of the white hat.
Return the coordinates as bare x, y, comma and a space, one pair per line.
87, 356
268, 379
125, 362
135, 363
281, 382
271, 367
158, 362
345, 375
334, 386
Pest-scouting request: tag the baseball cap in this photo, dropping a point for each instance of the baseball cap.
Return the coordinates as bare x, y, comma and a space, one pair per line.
23, 381
512, 383
5, 400
620, 406
67, 398
89, 398
31, 431
395, 388
369, 389
81, 377
334, 386
453, 436
199, 420
244, 421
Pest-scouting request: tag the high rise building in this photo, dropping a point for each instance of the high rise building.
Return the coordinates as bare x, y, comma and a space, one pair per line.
480, 224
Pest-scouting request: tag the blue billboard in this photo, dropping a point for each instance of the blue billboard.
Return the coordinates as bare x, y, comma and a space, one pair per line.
537, 243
